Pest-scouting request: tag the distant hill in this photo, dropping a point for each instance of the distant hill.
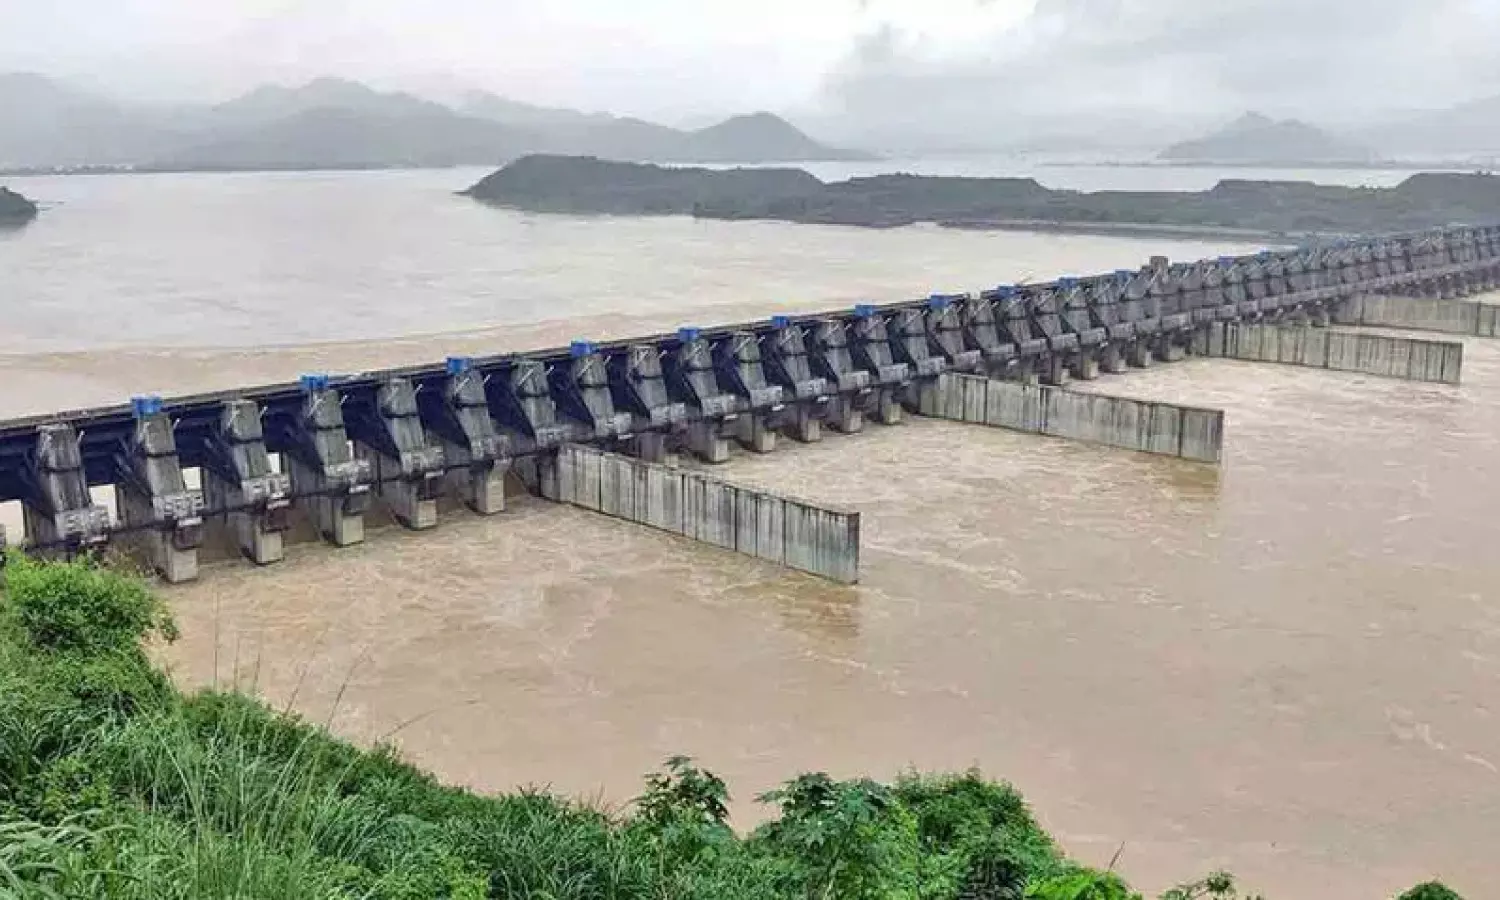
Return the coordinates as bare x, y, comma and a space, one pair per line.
1469, 129
332, 122
1254, 138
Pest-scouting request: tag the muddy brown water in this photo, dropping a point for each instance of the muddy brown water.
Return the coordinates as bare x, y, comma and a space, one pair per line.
1287, 667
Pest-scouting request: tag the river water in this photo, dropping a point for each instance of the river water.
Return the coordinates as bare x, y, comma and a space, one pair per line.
1286, 667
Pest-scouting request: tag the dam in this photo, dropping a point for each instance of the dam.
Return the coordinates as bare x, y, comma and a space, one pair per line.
627, 428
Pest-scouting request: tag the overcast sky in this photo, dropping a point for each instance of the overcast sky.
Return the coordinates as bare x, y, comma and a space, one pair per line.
938, 63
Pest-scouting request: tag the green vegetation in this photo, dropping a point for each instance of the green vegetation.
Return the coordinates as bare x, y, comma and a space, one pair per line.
114, 784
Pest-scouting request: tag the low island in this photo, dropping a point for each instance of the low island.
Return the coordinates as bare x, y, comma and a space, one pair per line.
15, 208
1232, 208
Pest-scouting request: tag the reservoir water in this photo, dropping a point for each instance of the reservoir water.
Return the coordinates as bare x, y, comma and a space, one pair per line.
1287, 667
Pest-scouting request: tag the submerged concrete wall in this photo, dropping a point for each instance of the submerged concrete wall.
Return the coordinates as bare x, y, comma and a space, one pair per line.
1163, 428
778, 529
1410, 359
1467, 317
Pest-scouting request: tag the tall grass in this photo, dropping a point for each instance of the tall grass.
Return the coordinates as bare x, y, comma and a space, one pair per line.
115, 785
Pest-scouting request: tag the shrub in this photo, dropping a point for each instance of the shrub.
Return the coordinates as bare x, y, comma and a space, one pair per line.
78, 606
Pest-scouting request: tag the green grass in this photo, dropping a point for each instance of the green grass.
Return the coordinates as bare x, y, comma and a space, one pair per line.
113, 784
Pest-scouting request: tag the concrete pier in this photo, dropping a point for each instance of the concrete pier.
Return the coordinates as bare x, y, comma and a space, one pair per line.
329, 482
1409, 359
1162, 428
238, 478
477, 456
781, 530
408, 471
154, 501
58, 509
1466, 317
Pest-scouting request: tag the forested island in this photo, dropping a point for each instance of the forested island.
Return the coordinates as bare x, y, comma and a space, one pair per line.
564, 184
15, 208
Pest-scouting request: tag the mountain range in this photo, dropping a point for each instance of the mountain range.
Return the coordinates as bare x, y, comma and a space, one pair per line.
334, 123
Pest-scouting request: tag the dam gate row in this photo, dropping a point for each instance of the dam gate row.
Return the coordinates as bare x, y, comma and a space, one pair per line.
329, 445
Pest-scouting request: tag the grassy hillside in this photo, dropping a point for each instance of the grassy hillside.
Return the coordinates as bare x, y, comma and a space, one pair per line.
115, 785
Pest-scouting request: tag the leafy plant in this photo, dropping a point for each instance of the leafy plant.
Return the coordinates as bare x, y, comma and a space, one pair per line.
43, 861
1217, 886
1083, 884
683, 793
1432, 890
850, 839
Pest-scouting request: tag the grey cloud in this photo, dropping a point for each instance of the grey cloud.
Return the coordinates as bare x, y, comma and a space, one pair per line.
1083, 65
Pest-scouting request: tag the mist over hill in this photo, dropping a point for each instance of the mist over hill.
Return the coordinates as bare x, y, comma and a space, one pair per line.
1254, 138
331, 122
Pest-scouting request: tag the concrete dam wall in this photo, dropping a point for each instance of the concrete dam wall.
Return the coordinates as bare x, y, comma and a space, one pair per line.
248, 463
1409, 359
1446, 316
1167, 429
782, 530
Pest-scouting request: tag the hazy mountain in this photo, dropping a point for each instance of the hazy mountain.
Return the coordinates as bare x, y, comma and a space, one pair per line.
272, 102
344, 138
47, 123
343, 124
756, 137
485, 105
1254, 138
332, 122
1469, 129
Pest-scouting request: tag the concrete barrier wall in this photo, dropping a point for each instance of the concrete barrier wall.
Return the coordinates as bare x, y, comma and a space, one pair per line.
778, 529
1467, 317
1410, 359
1163, 428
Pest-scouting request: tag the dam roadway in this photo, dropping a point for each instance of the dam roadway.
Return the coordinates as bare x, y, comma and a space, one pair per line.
1032, 601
